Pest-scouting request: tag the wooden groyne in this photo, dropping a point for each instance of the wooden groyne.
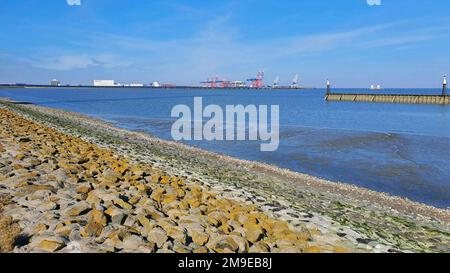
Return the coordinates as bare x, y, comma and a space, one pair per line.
389, 98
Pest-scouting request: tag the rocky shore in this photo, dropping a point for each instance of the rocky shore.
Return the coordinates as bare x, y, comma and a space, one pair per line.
70, 183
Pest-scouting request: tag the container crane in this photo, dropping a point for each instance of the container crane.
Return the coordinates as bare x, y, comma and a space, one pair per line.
258, 81
295, 82
276, 81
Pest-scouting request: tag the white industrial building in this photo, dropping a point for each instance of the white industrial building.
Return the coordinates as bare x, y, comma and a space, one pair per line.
55, 82
104, 83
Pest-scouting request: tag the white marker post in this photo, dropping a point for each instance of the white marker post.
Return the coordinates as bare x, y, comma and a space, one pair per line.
444, 86
328, 87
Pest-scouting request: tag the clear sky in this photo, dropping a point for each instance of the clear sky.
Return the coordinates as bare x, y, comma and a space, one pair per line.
400, 43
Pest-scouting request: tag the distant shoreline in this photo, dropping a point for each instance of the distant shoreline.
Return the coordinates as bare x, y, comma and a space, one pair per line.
145, 87
282, 88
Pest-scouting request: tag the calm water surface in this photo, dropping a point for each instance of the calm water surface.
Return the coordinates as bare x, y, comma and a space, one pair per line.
396, 148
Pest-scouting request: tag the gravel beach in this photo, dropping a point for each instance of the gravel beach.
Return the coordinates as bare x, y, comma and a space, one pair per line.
72, 183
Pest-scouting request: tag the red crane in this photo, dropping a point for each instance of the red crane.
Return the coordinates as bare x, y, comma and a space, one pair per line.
211, 83
258, 81
214, 82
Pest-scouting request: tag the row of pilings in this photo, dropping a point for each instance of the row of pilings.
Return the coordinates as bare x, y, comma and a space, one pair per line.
390, 98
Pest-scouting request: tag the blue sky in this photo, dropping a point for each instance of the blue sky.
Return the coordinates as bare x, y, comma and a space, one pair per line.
402, 43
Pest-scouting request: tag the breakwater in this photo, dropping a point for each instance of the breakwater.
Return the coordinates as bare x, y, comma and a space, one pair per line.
389, 98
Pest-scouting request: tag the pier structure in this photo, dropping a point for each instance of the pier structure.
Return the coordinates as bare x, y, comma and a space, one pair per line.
442, 99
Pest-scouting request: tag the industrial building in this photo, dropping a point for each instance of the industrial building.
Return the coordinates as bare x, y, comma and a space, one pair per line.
55, 82
104, 83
